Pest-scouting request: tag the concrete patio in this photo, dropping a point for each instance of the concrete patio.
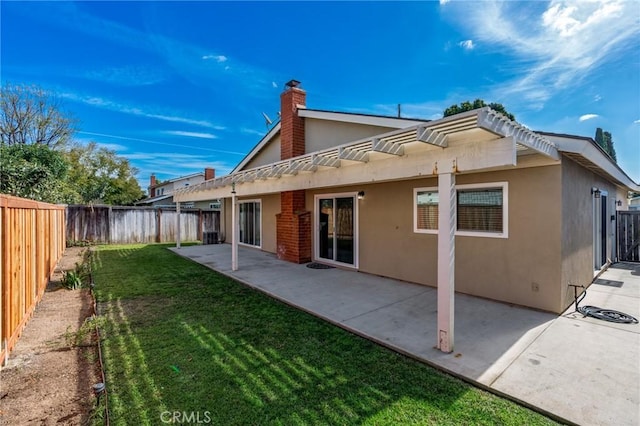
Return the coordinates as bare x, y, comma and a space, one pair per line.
579, 370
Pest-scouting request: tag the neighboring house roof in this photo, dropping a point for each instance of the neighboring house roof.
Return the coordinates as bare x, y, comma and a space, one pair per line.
345, 117
586, 152
165, 182
153, 200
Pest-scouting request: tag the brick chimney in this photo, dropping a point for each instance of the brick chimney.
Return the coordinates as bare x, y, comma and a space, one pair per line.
293, 223
209, 173
291, 125
152, 186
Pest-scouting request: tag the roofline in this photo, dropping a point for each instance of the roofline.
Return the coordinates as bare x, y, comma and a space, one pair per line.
177, 179
594, 144
358, 118
258, 147
153, 199
348, 117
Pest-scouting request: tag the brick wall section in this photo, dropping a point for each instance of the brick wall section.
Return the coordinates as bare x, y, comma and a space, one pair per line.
291, 125
293, 223
152, 186
293, 228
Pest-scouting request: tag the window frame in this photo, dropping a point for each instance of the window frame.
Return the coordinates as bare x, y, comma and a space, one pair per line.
467, 233
254, 201
415, 210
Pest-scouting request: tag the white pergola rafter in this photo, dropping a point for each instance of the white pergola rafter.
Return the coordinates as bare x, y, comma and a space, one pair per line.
432, 137
356, 152
497, 123
325, 160
434, 133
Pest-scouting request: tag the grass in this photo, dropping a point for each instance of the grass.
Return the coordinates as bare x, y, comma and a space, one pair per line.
181, 340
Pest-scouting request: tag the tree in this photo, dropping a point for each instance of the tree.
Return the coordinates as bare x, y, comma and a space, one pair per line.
99, 175
30, 115
600, 138
36, 172
478, 103
605, 141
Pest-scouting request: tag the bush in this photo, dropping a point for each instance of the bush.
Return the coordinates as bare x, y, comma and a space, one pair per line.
72, 280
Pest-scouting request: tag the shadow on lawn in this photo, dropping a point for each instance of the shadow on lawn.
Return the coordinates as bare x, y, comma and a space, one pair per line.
181, 338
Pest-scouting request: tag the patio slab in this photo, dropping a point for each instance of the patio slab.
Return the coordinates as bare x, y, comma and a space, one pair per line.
580, 370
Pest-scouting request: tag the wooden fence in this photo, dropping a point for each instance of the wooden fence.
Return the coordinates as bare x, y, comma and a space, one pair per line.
629, 236
125, 225
31, 243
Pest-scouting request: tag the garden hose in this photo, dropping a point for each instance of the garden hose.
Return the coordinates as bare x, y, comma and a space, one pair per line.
600, 313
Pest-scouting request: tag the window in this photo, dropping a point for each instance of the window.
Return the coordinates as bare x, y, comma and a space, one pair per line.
250, 217
481, 210
426, 210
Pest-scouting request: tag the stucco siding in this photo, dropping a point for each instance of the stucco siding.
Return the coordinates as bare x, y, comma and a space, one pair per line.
578, 226
269, 154
323, 134
523, 268
270, 208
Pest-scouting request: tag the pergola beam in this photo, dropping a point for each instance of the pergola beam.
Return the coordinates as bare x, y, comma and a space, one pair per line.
326, 161
353, 155
433, 137
387, 147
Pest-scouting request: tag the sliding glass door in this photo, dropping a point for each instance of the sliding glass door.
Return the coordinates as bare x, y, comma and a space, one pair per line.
336, 228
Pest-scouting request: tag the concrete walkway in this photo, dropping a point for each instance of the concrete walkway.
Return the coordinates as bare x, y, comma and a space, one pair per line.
579, 369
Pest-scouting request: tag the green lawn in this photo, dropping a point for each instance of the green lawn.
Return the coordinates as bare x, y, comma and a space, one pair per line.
182, 338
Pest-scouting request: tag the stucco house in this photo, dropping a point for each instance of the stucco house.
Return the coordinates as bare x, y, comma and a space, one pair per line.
161, 193
471, 203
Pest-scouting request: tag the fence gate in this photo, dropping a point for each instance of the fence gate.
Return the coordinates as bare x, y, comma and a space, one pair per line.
629, 236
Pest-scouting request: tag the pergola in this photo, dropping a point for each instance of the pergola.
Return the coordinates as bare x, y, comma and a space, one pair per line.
473, 141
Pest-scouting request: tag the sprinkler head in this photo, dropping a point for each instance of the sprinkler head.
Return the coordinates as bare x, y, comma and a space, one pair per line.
99, 388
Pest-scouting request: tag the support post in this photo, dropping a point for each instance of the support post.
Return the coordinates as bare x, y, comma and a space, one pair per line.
178, 236
446, 259
234, 231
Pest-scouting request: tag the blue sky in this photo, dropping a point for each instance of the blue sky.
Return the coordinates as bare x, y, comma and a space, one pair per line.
177, 86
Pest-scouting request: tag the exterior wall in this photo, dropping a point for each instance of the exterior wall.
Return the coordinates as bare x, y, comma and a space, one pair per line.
577, 229
172, 185
523, 269
323, 134
270, 208
269, 154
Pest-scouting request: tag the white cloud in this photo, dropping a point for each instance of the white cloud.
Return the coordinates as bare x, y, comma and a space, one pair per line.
557, 44
218, 58
274, 84
110, 105
126, 138
637, 121
443, 2
191, 134
467, 44
586, 117
126, 76
252, 132
597, 98
184, 59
